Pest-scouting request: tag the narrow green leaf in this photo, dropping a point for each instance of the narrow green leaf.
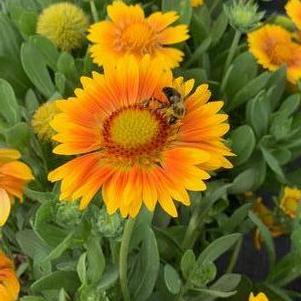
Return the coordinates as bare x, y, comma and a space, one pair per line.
172, 279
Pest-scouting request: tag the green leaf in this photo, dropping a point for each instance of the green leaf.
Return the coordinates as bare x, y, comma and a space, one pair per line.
35, 67
172, 279
109, 278
226, 283
250, 90
9, 106
267, 237
95, 259
32, 298
27, 23
219, 27
57, 280
188, 261
146, 268
183, 7
218, 247
18, 136
81, 268
66, 66
214, 293
60, 248
47, 50
273, 163
242, 143
204, 46
243, 71
258, 112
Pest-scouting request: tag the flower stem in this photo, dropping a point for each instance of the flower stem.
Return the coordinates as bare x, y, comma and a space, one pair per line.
234, 256
123, 264
232, 50
94, 11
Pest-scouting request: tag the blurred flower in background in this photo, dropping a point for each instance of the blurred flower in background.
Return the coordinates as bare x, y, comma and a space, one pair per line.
64, 24
14, 175
41, 118
9, 284
128, 31
290, 201
196, 3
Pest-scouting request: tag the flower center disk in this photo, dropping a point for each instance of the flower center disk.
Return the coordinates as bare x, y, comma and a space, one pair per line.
135, 131
138, 37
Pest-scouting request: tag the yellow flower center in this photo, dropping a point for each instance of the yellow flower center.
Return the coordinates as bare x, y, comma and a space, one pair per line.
138, 37
133, 128
134, 132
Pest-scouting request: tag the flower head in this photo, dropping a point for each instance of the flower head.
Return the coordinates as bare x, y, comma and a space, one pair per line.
130, 144
243, 16
196, 3
290, 201
128, 31
269, 220
273, 47
14, 175
259, 297
41, 118
9, 284
64, 24
293, 9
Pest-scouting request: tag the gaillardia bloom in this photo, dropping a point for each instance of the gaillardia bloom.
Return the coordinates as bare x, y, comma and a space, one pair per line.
131, 144
14, 175
64, 24
196, 3
273, 47
9, 284
269, 220
290, 201
41, 118
128, 31
293, 9
259, 297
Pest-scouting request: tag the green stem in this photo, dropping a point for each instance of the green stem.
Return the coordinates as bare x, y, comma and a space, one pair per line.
232, 50
234, 256
94, 11
123, 263
213, 6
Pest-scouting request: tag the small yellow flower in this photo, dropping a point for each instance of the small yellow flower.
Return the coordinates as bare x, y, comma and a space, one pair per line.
9, 283
273, 47
128, 31
293, 9
259, 297
290, 201
14, 175
41, 118
196, 3
129, 148
64, 24
267, 217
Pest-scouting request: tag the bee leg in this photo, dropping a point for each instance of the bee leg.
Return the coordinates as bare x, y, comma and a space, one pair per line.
146, 103
172, 119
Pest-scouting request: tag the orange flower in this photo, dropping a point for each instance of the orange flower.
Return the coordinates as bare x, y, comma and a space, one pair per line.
14, 175
196, 3
273, 47
130, 147
9, 284
293, 9
269, 220
128, 31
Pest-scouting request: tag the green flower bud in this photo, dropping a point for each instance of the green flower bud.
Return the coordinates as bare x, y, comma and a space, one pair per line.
68, 214
89, 293
244, 17
202, 274
110, 226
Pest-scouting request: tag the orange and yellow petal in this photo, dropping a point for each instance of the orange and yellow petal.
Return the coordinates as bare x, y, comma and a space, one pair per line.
293, 9
9, 283
5, 206
196, 3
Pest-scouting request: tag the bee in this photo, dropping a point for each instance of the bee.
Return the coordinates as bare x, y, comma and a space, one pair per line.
175, 109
